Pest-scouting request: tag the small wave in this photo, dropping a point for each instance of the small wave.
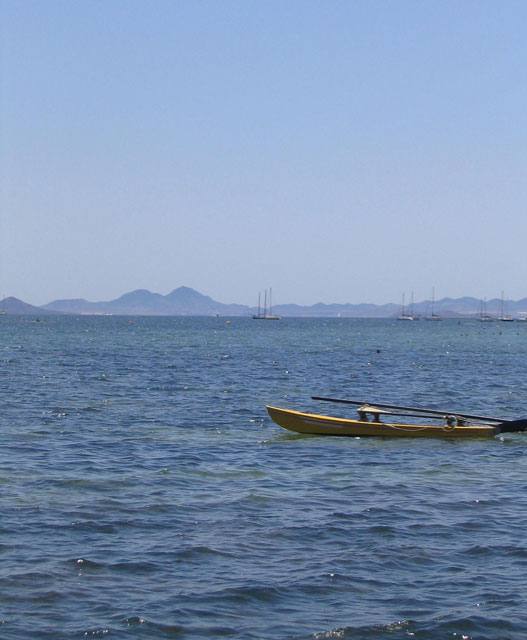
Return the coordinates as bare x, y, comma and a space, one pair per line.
500, 550
245, 595
41, 597
33, 576
83, 565
201, 551
397, 629
136, 621
97, 527
91, 409
176, 630
471, 628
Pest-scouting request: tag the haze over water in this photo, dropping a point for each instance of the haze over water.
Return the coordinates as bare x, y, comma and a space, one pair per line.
144, 492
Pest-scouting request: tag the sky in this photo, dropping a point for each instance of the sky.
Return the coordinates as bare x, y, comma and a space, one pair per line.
340, 151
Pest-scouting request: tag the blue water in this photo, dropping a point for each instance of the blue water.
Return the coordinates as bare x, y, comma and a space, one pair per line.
144, 492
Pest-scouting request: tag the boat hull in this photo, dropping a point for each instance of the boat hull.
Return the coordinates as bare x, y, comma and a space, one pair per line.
315, 424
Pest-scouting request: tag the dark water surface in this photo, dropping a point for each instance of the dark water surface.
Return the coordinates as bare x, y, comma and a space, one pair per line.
144, 492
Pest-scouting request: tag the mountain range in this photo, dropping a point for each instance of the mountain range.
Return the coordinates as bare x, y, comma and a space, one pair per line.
185, 301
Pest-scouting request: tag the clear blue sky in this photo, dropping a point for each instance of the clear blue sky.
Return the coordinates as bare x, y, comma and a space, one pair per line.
340, 151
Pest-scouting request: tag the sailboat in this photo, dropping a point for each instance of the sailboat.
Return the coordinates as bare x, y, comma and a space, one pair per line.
483, 315
433, 316
266, 315
504, 317
407, 316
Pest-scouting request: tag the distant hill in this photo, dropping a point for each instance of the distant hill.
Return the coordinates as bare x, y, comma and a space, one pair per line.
14, 306
185, 301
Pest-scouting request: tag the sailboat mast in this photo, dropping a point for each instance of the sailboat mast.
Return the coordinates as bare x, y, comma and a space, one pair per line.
265, 303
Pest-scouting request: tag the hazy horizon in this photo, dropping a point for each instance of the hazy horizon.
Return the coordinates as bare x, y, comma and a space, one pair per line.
339, 152
277, 304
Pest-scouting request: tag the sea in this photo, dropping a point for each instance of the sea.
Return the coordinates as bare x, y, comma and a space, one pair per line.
145, 493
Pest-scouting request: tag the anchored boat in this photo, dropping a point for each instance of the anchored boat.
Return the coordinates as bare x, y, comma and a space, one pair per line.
374, 421
267, 314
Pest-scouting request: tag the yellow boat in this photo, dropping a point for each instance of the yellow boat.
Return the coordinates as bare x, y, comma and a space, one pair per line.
370, 424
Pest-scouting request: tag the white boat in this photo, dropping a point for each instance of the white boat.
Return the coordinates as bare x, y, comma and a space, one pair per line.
504, 317
404, 314
267, 314
483, 315
433, 316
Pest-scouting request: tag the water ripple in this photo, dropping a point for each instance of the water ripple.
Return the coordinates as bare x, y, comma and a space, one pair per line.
145, 493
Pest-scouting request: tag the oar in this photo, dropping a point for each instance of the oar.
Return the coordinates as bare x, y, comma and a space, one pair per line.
417, 410
421, 414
